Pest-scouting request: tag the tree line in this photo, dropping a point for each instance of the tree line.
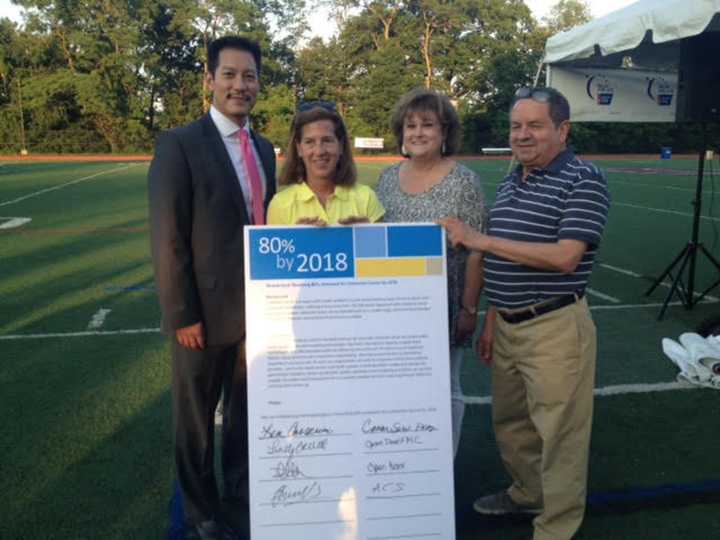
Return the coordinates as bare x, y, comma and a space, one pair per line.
107, 75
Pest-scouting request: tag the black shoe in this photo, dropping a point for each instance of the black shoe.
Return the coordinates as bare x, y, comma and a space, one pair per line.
210, 530
499, 504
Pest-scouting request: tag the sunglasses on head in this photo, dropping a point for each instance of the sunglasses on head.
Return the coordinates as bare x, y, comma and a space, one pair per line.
307, 105
536, 94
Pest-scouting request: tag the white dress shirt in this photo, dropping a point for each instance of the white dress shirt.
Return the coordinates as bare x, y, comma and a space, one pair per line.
229, 132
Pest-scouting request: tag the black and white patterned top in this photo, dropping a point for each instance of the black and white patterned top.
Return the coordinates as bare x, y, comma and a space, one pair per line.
459, 195
568, 199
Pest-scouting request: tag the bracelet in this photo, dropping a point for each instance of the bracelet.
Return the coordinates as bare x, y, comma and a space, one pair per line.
470, 310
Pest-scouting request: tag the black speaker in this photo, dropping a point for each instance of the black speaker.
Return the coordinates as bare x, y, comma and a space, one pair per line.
698, 98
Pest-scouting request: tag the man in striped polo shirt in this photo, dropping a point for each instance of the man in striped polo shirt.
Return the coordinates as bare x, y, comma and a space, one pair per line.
542, 236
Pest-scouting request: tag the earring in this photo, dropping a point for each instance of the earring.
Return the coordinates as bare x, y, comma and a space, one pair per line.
403, 151
443, 149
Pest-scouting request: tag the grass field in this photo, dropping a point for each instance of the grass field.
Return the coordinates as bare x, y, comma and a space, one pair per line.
85, 445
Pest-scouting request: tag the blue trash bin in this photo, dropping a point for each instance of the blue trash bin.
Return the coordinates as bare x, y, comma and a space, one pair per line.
665, 152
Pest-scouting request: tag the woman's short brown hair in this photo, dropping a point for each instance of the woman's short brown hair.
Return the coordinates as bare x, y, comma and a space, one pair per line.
422, 100
293, 170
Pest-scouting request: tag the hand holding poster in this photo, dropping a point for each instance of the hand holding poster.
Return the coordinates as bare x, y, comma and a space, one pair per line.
348, 382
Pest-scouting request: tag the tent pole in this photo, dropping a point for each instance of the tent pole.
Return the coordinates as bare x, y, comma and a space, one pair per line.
539, 71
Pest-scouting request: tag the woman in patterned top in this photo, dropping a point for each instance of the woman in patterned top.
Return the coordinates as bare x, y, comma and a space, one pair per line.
430, 185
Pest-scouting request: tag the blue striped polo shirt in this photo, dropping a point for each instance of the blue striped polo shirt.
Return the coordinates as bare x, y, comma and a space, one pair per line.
567, 199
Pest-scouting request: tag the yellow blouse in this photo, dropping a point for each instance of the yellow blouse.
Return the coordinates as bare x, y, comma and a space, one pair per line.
298, 201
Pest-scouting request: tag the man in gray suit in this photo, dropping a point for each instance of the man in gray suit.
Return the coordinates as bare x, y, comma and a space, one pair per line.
207, 180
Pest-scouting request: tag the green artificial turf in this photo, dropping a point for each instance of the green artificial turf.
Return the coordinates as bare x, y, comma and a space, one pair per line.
85, 445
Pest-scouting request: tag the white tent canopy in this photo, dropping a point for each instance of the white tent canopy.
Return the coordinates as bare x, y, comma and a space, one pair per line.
625, 67
625, 29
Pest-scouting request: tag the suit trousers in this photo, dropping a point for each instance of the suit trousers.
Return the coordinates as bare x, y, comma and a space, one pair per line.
198, 377
543, 378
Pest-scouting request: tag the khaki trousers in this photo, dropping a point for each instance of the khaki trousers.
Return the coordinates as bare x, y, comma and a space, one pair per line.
543, 379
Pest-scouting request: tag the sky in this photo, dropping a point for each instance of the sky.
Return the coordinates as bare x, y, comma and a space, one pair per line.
540, 8
319, 21
321, 25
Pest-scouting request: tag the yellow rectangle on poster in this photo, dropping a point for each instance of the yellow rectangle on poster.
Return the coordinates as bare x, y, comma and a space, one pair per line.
365, 268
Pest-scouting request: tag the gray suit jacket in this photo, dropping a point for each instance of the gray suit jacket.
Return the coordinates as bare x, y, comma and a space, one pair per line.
197, 213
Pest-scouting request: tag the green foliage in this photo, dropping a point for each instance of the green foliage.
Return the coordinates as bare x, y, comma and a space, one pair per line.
605, 137
377, 91
566, 14
115, 72
274, 112
107, 75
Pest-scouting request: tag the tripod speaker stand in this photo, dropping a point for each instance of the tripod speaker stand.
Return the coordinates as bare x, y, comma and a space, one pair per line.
687, 258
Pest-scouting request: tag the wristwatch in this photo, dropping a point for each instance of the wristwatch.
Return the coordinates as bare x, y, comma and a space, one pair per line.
470, 310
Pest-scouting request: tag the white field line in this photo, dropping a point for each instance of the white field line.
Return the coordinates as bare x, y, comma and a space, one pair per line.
98, 319
621, 270
76, 181
705, 300
664, 211
675, 188
616, 390
604, 296
14, 222
88, 333
650, 305
620, 389
666, 284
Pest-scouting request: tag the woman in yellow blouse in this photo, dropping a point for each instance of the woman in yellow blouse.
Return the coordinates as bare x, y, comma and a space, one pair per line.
321, 175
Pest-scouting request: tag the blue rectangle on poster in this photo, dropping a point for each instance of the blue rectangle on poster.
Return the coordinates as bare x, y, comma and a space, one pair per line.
370, 242
301, 253
415, 241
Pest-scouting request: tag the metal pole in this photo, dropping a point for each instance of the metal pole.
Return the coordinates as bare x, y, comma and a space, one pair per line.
539, 71
697, 203
23, 149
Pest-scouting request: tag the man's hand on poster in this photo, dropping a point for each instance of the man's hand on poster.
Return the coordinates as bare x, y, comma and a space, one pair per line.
462, 234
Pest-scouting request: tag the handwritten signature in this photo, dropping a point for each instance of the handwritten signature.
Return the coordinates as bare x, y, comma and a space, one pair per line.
402, 440
287, 470
388, 487
285, 495
296, 429
368, 426
389, 466
292, 448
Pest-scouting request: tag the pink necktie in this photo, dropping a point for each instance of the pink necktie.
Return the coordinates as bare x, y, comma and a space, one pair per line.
256, 190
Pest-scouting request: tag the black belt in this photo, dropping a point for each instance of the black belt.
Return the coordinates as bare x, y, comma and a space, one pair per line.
535, 311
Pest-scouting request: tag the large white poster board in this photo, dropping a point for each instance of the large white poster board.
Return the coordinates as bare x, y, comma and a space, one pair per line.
348, 383
616, 95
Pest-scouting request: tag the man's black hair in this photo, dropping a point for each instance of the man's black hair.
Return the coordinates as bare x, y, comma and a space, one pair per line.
232, 42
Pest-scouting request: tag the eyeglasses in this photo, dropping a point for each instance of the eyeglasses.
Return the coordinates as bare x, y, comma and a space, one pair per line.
307, 105
536, 94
